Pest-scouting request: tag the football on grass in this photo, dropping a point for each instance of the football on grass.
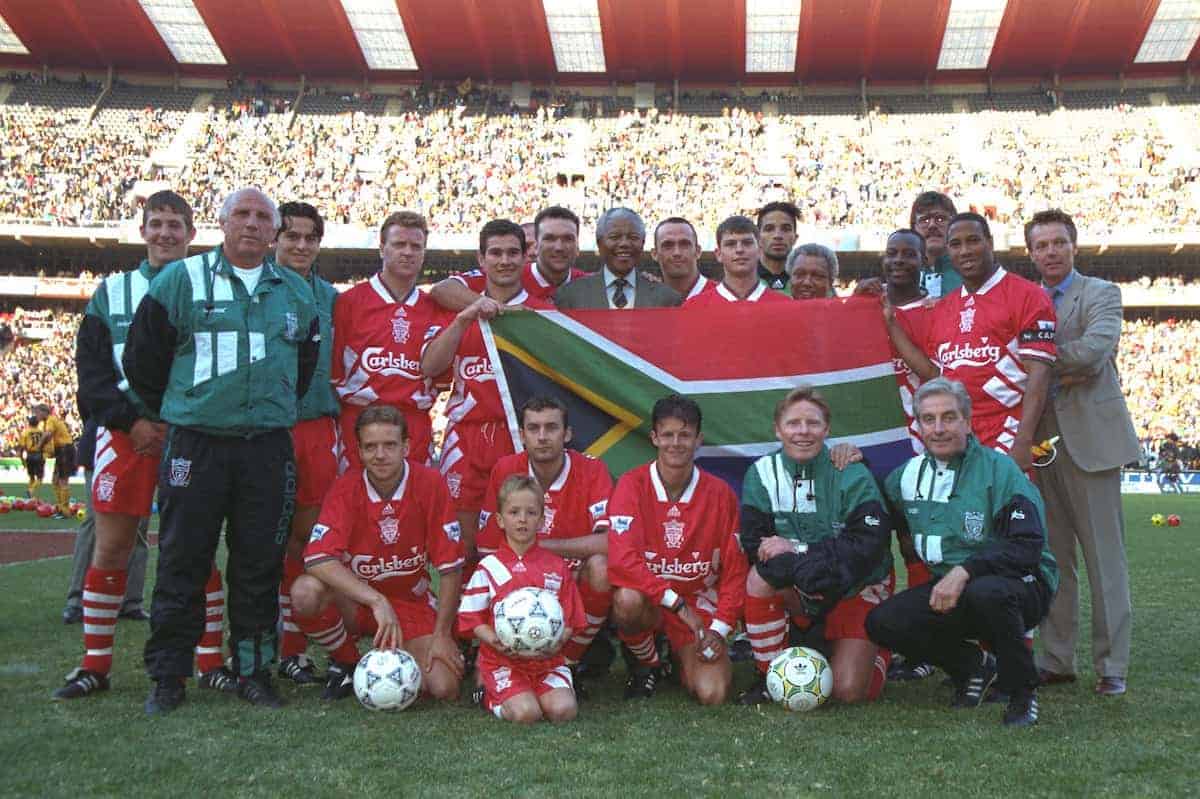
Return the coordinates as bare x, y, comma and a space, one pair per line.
387, 679
800, 679
529, 621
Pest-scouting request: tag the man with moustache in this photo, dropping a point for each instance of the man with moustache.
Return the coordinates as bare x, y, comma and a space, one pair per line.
677, 253
930, 216
620, 239
379, 328
222, 347
777, 231
995, 335
738, 251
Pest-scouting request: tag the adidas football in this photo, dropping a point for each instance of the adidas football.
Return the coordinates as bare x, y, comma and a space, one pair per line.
1158, 520
800, 679
387, 679
529, 621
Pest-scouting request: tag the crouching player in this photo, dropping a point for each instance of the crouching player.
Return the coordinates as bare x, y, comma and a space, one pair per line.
575, 521
818, 538
978, 523
674, 560
518, 689
366, 562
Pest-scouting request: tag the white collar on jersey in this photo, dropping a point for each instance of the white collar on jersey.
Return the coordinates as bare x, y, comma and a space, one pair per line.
996, 277
386, 295
396, 496
561, 480
697, 287
751, 297
541, 279
660, 491
522, 296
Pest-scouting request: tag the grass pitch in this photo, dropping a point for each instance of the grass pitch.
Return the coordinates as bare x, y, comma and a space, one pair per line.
910, 744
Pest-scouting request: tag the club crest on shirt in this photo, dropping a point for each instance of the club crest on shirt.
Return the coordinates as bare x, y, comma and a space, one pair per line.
105, 486
503, 678
181, 473
673, 533
389, 529
400, 326
966, 320
553, 582
454, 483
973, 525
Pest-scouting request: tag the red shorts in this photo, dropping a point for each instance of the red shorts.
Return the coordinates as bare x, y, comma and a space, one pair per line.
503, 678
317, 455
678, 633
848, 619
469, 452
417, 618
420, 435
122, 480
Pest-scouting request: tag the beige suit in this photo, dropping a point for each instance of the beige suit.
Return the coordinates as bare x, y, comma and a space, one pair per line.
1082, 488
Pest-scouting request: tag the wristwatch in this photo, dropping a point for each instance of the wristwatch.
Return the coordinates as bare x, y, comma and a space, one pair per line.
678, 605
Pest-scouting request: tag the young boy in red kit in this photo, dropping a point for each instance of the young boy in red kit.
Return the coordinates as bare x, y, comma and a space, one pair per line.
524, 690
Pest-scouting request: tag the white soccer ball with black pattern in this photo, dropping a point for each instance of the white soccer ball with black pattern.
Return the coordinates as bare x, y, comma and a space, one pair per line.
387, 679
529, 621
800, 679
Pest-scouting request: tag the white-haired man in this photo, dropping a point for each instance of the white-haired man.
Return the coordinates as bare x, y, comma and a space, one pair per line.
221, 349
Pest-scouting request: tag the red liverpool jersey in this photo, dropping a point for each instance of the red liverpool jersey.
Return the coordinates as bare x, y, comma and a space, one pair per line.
979, 339
689, 546
377, 344
475, 397
389, 541
503, 572
576, 503
720, 295
914, 318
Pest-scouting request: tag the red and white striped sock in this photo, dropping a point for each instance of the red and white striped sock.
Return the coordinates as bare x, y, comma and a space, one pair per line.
209, 654
642, 647
767, 629
292, 642
328, 630
595, 608
103, 593
883, 659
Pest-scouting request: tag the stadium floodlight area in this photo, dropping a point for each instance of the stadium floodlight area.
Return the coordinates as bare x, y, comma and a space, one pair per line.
1172, 34
970, 33
772, 28
575, 35
9, 43
380, 32
183, 31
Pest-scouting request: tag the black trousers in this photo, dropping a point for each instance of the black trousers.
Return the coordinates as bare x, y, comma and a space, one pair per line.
204, 482
997, 610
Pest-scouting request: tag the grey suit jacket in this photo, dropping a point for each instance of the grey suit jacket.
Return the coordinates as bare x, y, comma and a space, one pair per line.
588, 293
1092, 417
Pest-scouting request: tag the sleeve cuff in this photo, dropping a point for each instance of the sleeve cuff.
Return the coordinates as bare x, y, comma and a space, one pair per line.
669, 598
720, 628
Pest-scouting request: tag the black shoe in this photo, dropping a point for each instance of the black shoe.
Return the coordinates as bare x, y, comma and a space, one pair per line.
81, 682
133, 613
339, 681
166, 695
642, 682
257, 689
756, 694
971, 693
219, 679
299, 669
477, 696
996, 697
581, 693
666, 669
1022, 710
914, 671
72, 614
741, 651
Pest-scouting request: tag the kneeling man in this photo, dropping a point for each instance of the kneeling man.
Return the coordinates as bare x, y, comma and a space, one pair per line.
379, 530
979, 524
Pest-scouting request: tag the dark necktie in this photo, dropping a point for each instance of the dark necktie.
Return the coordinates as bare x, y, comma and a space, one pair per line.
619, 298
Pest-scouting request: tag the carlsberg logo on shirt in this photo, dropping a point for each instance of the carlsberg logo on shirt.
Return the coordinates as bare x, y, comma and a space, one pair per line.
965, 355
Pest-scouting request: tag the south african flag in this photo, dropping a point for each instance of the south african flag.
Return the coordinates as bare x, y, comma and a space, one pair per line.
609, 367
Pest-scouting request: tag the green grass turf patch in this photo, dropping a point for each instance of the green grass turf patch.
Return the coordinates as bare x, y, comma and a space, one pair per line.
29, 520
909, 744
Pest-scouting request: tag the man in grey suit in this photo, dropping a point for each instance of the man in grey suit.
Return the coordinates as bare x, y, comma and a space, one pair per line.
620, 240
1082, 486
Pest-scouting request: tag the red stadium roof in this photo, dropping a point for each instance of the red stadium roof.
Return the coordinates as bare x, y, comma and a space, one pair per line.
643, 40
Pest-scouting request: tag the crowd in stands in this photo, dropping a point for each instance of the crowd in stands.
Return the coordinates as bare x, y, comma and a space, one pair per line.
459, 156
33, 372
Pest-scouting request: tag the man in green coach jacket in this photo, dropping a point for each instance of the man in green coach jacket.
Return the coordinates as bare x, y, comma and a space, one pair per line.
221, 348
979, 524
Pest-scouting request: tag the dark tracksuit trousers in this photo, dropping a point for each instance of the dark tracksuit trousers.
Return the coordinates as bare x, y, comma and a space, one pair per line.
204, 482
997, 610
